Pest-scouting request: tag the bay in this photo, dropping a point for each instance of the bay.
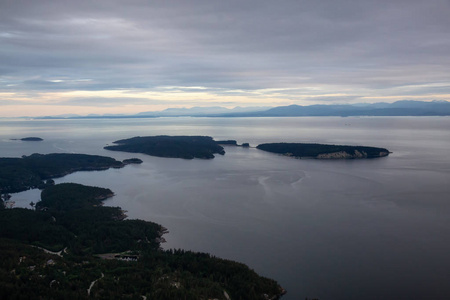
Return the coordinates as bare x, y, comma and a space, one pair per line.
329, 229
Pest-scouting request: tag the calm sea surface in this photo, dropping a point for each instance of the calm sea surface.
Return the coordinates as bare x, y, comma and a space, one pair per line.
331, 229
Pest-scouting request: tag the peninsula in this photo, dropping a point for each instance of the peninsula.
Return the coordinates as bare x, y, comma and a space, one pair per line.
322, 151
72, 247
187, 147
20, 174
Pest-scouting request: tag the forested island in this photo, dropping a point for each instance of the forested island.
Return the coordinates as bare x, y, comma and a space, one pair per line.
187, 147
20, 174
323, 151
72, 247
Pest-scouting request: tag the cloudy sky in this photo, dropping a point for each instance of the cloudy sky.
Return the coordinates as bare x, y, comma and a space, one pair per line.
114, 56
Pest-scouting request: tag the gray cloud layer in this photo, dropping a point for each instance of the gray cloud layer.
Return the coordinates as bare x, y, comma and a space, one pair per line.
359, 46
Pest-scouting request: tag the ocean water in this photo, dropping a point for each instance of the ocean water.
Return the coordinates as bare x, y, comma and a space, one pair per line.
329, 229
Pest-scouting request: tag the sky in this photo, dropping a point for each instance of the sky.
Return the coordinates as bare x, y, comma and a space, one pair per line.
115, 56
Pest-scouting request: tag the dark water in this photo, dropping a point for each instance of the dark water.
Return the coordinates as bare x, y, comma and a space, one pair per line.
347, 229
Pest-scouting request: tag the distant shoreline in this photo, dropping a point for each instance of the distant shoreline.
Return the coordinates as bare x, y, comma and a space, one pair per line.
403, 108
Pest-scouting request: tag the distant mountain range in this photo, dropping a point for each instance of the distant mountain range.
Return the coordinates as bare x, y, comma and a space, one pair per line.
201, 111
399, 108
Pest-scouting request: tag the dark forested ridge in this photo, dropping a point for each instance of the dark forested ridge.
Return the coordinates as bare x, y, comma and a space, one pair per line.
187, 147
71, 196
20, 174
71, 215
323, 151
70, 222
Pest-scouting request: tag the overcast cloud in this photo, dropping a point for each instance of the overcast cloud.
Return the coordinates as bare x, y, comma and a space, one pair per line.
149, 55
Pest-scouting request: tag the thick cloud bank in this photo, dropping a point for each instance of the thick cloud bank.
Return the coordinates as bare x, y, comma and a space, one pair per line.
156, 54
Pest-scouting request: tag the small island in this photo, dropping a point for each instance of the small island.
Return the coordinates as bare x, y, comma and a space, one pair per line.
321, 151
72, 247
233, 143
20, 174
32, 139
187, 147
129, 161
29, 139
227, 142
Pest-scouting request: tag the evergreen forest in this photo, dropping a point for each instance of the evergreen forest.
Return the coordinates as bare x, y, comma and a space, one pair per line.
72, 247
